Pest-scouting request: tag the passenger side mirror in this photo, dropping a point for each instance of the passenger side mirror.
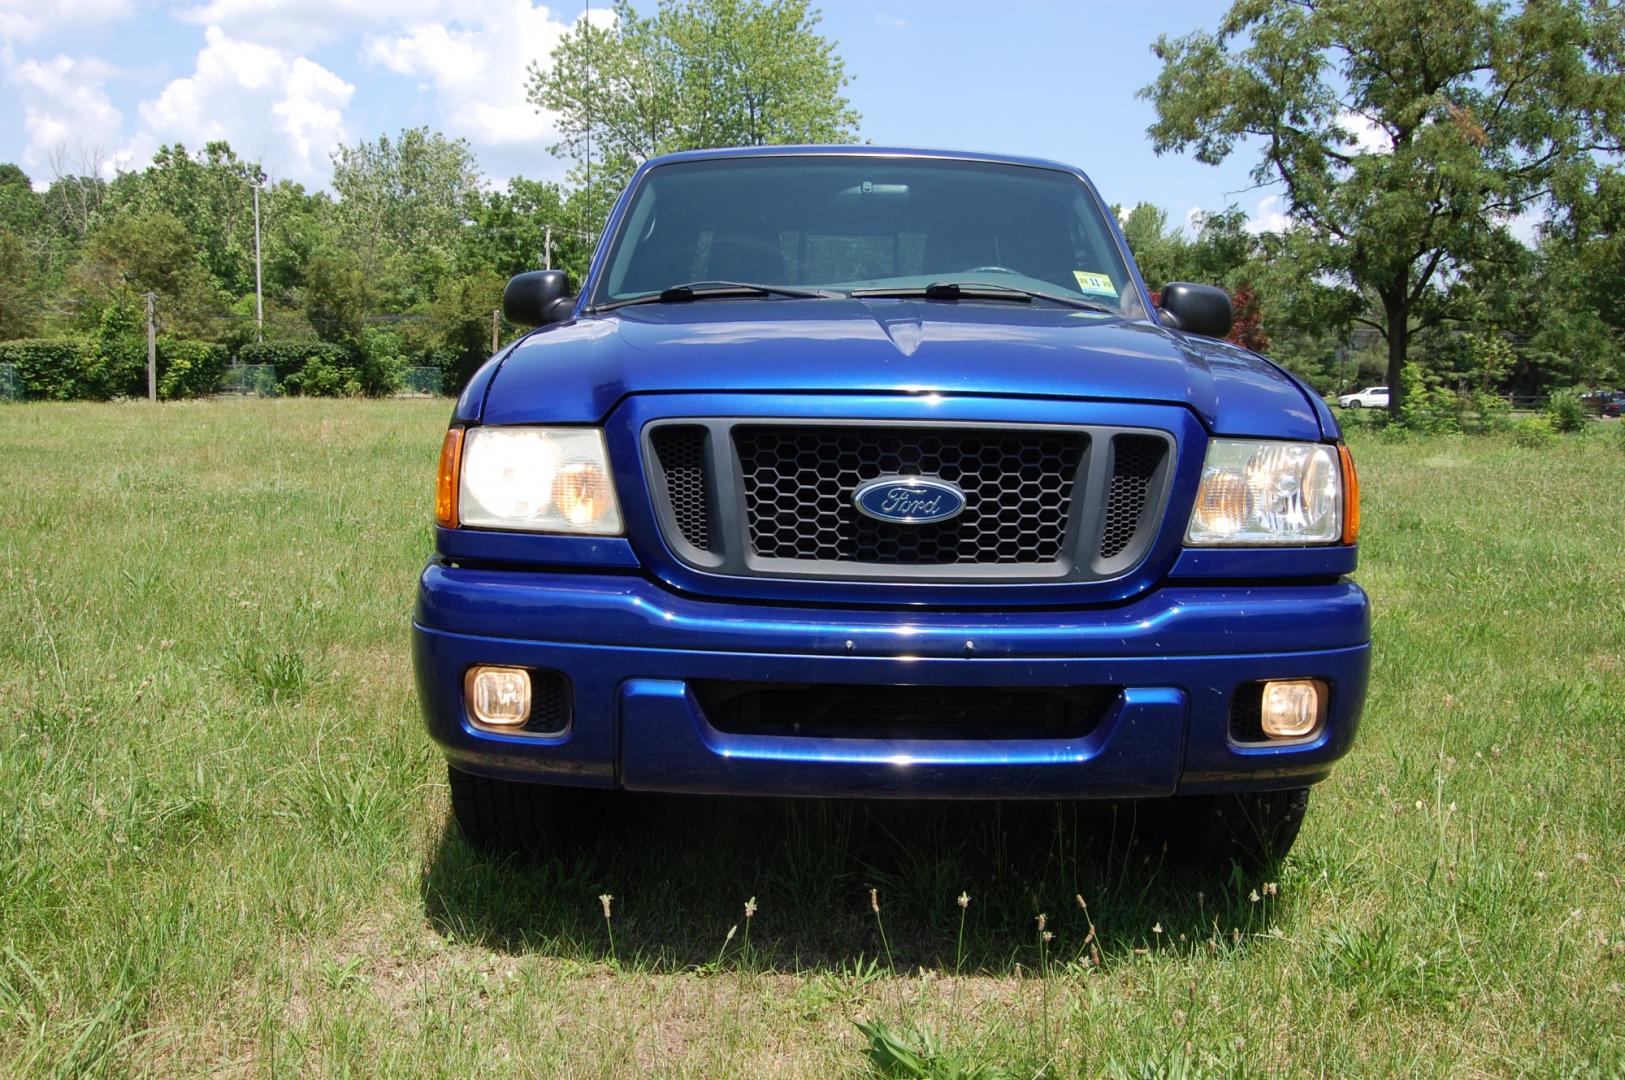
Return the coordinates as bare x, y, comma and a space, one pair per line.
537, 297
1196, 309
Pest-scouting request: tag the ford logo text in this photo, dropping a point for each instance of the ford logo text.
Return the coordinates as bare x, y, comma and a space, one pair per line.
909, 500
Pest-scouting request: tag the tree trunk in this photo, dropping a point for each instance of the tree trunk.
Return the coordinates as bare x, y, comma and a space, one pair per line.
1398, 315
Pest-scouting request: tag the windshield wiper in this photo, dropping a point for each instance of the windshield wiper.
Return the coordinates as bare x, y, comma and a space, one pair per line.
718, 290
979, 290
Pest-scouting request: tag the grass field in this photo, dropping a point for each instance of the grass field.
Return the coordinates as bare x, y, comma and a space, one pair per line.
224, 849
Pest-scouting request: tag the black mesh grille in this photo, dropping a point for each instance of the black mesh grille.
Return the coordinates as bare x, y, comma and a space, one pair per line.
549, 703
1135, 462
1018, 486
682, 459
904, 712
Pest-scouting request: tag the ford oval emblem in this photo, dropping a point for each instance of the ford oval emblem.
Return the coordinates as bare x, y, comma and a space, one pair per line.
909, 500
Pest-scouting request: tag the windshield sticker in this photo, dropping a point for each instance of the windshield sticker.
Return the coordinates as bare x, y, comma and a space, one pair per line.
1091, 282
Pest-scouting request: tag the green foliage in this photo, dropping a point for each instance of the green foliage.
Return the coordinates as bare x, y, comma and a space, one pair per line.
1566, 412
1406, 134
1617, 434
309, 368
47, 370
19, 287
918, 1054
1428, 410
1491, 412
696, 73
383, 363
1533, 432
106, 367
190, 369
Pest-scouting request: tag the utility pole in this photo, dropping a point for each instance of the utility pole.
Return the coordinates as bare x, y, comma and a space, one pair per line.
152, 350
259, 296
547, 250
496, 330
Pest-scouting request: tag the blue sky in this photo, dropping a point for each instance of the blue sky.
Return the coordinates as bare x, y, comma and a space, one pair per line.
286, 80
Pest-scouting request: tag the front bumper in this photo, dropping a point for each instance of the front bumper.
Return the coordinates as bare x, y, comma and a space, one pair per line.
630, 650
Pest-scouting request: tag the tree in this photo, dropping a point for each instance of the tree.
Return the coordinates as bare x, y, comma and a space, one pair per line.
1406, 133
696, 73
401, 206
19, 292
212, 195
131, 254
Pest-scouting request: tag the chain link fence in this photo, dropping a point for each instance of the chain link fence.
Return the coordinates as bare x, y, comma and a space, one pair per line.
250, 380
423, 381
11, 384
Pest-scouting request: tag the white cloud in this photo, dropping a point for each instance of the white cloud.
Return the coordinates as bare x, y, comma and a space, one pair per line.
28, 20
300, 24
287, 111
1369, 137
891, 22
68, 117
1268, 216
476, 66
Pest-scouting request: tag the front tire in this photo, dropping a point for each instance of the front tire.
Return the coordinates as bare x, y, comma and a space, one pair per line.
507, 817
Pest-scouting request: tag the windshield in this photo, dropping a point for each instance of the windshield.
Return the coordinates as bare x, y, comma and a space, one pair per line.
859, 222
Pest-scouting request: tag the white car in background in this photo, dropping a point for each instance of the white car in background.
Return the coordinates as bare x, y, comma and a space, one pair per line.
1372, 397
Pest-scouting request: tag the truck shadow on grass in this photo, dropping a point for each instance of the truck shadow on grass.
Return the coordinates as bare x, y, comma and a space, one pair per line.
681, 871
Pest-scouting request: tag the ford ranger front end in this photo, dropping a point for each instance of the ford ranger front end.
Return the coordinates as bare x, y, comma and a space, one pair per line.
871, 473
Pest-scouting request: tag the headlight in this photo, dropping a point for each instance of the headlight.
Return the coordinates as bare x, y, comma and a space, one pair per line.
1268, 493
537, 479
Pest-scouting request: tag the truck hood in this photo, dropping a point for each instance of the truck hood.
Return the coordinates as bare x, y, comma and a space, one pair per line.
578, 371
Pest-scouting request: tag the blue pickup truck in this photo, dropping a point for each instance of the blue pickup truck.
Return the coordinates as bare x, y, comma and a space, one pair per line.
866, 473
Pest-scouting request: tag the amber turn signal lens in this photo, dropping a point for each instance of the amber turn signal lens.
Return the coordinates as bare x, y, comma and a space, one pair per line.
445, 487
1351, 497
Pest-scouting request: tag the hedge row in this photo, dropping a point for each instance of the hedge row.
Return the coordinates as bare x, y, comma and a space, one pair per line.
95, 370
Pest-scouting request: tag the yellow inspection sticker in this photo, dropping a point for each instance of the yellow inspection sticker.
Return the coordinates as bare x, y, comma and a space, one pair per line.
1091, 282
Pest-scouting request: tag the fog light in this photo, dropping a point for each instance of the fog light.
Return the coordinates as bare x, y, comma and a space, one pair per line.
499, 697
1292, 709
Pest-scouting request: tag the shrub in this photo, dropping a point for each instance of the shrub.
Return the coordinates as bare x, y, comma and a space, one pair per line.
103, 368
383, 363
1493, 412
1428, 410
47, 370
190, 369
1566, 411
312, 368
1618, 435
1536, 431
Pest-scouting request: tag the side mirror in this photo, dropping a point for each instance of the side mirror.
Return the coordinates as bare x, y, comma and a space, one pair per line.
1196, 309
537, 297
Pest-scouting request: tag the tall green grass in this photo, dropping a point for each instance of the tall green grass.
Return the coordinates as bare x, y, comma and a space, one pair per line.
223, 840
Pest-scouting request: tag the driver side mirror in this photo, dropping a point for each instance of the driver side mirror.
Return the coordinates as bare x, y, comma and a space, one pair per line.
537, 297
1196, 309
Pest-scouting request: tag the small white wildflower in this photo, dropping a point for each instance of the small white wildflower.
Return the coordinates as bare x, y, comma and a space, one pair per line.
964, 900
750, 908
874, 900
606, 899
1042, 920
1253, 896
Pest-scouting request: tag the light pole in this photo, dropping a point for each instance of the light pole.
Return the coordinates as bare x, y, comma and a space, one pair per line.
259, 295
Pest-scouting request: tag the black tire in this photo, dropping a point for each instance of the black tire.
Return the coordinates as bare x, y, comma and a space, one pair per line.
506, 817
1210, 832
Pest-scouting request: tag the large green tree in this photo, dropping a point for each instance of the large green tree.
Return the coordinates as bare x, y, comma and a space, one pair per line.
695, 73
1406, 134
401, 207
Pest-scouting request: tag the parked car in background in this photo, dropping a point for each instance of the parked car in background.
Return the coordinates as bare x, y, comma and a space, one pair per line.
1372, 397
865, 473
